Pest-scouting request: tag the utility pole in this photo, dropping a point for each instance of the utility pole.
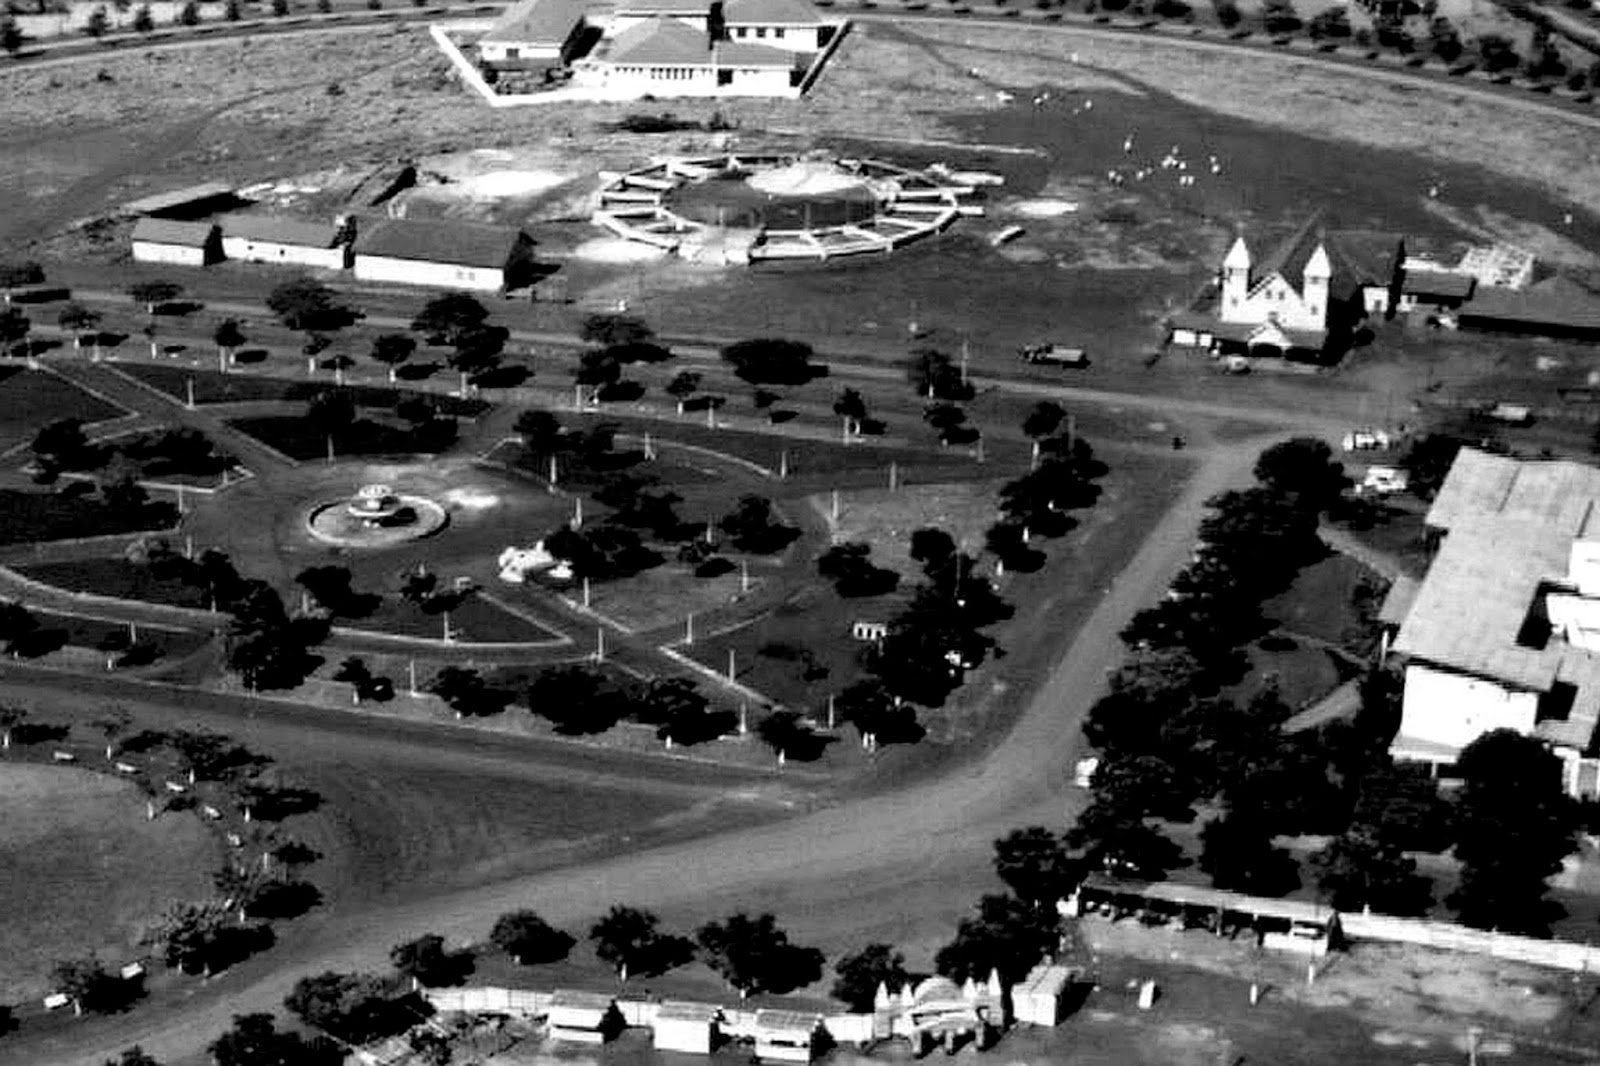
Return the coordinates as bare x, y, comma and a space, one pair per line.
731, 670
783, 465
894, 476
190, 390
411, 671
688, 630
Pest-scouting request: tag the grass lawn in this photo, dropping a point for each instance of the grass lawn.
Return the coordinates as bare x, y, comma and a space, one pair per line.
664, 595
1301, 674
211, 387
33, 516
115, 577
300, 438
887, 519
31, 399
80, 632
475, 621
1327, 601
86, 869
1399, 533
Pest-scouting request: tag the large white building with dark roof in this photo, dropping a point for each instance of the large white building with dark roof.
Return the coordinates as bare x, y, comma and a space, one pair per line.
1504, 630
443, 253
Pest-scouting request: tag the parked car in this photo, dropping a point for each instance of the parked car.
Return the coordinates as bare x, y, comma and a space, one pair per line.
1367, 440
1053, 355
1383, 481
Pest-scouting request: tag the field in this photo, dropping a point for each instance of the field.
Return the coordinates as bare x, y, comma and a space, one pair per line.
31, 399
86, 869
301, 438
1333, 601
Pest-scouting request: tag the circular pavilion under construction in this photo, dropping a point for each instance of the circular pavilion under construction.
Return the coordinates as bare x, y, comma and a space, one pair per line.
742, 208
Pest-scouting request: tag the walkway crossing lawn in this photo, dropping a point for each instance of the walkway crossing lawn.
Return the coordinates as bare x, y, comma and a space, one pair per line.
211, 387
38, 516
475, 621
301, 438
83, 871
32, 399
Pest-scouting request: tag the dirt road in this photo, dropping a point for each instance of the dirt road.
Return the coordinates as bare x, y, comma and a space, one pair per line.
833, 875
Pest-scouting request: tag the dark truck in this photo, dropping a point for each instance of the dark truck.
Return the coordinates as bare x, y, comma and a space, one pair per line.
1053, 355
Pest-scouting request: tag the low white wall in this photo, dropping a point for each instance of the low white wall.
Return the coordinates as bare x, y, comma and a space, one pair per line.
1446, 936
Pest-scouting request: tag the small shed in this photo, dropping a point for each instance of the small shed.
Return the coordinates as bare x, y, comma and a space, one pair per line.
162, 240
786, 1035
681, 1026
1037, 1000
583, 1017
447, 254
279, 239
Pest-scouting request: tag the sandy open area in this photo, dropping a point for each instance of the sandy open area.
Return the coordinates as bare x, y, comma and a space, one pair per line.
803, 179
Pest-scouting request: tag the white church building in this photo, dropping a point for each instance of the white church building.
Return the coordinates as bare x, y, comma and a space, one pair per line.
1504, 630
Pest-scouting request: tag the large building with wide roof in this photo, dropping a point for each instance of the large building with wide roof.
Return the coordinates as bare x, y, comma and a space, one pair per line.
1504, 630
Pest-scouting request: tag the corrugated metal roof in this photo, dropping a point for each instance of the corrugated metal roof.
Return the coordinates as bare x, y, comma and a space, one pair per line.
537, 22
1199, 896
280, 229
166, 201
661, 42
169, 231
769, 13
1445, 283
1533, 307
438, 241
1559, 495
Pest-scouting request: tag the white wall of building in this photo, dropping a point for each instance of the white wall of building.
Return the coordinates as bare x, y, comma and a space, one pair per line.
1454, 710
250, 251
436, 275
1276, 300
181, 254
500, 52
631, 82
789, 38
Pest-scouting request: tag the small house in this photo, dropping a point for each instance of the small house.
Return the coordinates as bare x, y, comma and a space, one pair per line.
786, 1035
664, 56
534, 35
792, 25
445, 254
162, 240
291, 241
1442, 289
690, 1027
863, 630
582, 1017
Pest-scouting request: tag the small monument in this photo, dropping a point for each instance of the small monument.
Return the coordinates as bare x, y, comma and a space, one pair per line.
376, 516
376, 505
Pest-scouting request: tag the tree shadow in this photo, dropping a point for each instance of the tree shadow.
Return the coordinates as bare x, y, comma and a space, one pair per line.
417, 371
502, 377
283, 899
716, 566
39, 733
250, 356
779, 416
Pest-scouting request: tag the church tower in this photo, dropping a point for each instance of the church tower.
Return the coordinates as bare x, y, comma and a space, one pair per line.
1235, 280
1315, 280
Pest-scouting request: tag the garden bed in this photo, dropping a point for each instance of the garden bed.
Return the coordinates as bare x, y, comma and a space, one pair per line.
26, 517
301, 438
211, 387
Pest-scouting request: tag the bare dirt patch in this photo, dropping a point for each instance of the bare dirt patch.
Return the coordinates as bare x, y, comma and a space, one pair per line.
887, 519
78, 859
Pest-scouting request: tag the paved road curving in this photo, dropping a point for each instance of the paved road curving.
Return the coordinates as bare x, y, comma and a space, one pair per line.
882, 847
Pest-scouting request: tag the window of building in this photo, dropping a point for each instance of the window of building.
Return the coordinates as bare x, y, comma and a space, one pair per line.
513, 53
740, 32
778, 32
761, 31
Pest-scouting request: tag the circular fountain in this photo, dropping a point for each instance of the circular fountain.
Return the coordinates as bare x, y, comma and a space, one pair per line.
376, 516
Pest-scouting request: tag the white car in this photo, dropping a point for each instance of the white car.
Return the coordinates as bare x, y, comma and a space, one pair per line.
1384, 480
1366, 440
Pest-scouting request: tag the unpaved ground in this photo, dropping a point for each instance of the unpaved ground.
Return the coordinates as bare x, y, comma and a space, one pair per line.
887, 519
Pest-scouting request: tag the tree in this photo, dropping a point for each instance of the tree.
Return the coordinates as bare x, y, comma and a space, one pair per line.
228, 338
1279, 17
1003, 934
783, 732
90, 986
1035, 865
11, 36
477, 351
870, 707
753, 528
305, 305
631, 942
189, 14
682, 386
851, 407
936, 376
1514, 826
133, 1056
329, 586
254, 1040
540, 431
14, 329
63, 445
754, 955
152, 294
1498, 52
1304, 469
429, 963
444, 319
1544, 58
14, 274
465, 691
615, 330
1331, 23
392, 349
332, 412
772, 361
849, 568
212, 756
143, 20
1444, 39
1360, 868
357, 1008
113, 725
1043, 420
77, 320
1238, 853
97, 24
861, 973
529, 939
10, 718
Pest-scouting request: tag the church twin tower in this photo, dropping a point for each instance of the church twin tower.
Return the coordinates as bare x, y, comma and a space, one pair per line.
1273, 297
